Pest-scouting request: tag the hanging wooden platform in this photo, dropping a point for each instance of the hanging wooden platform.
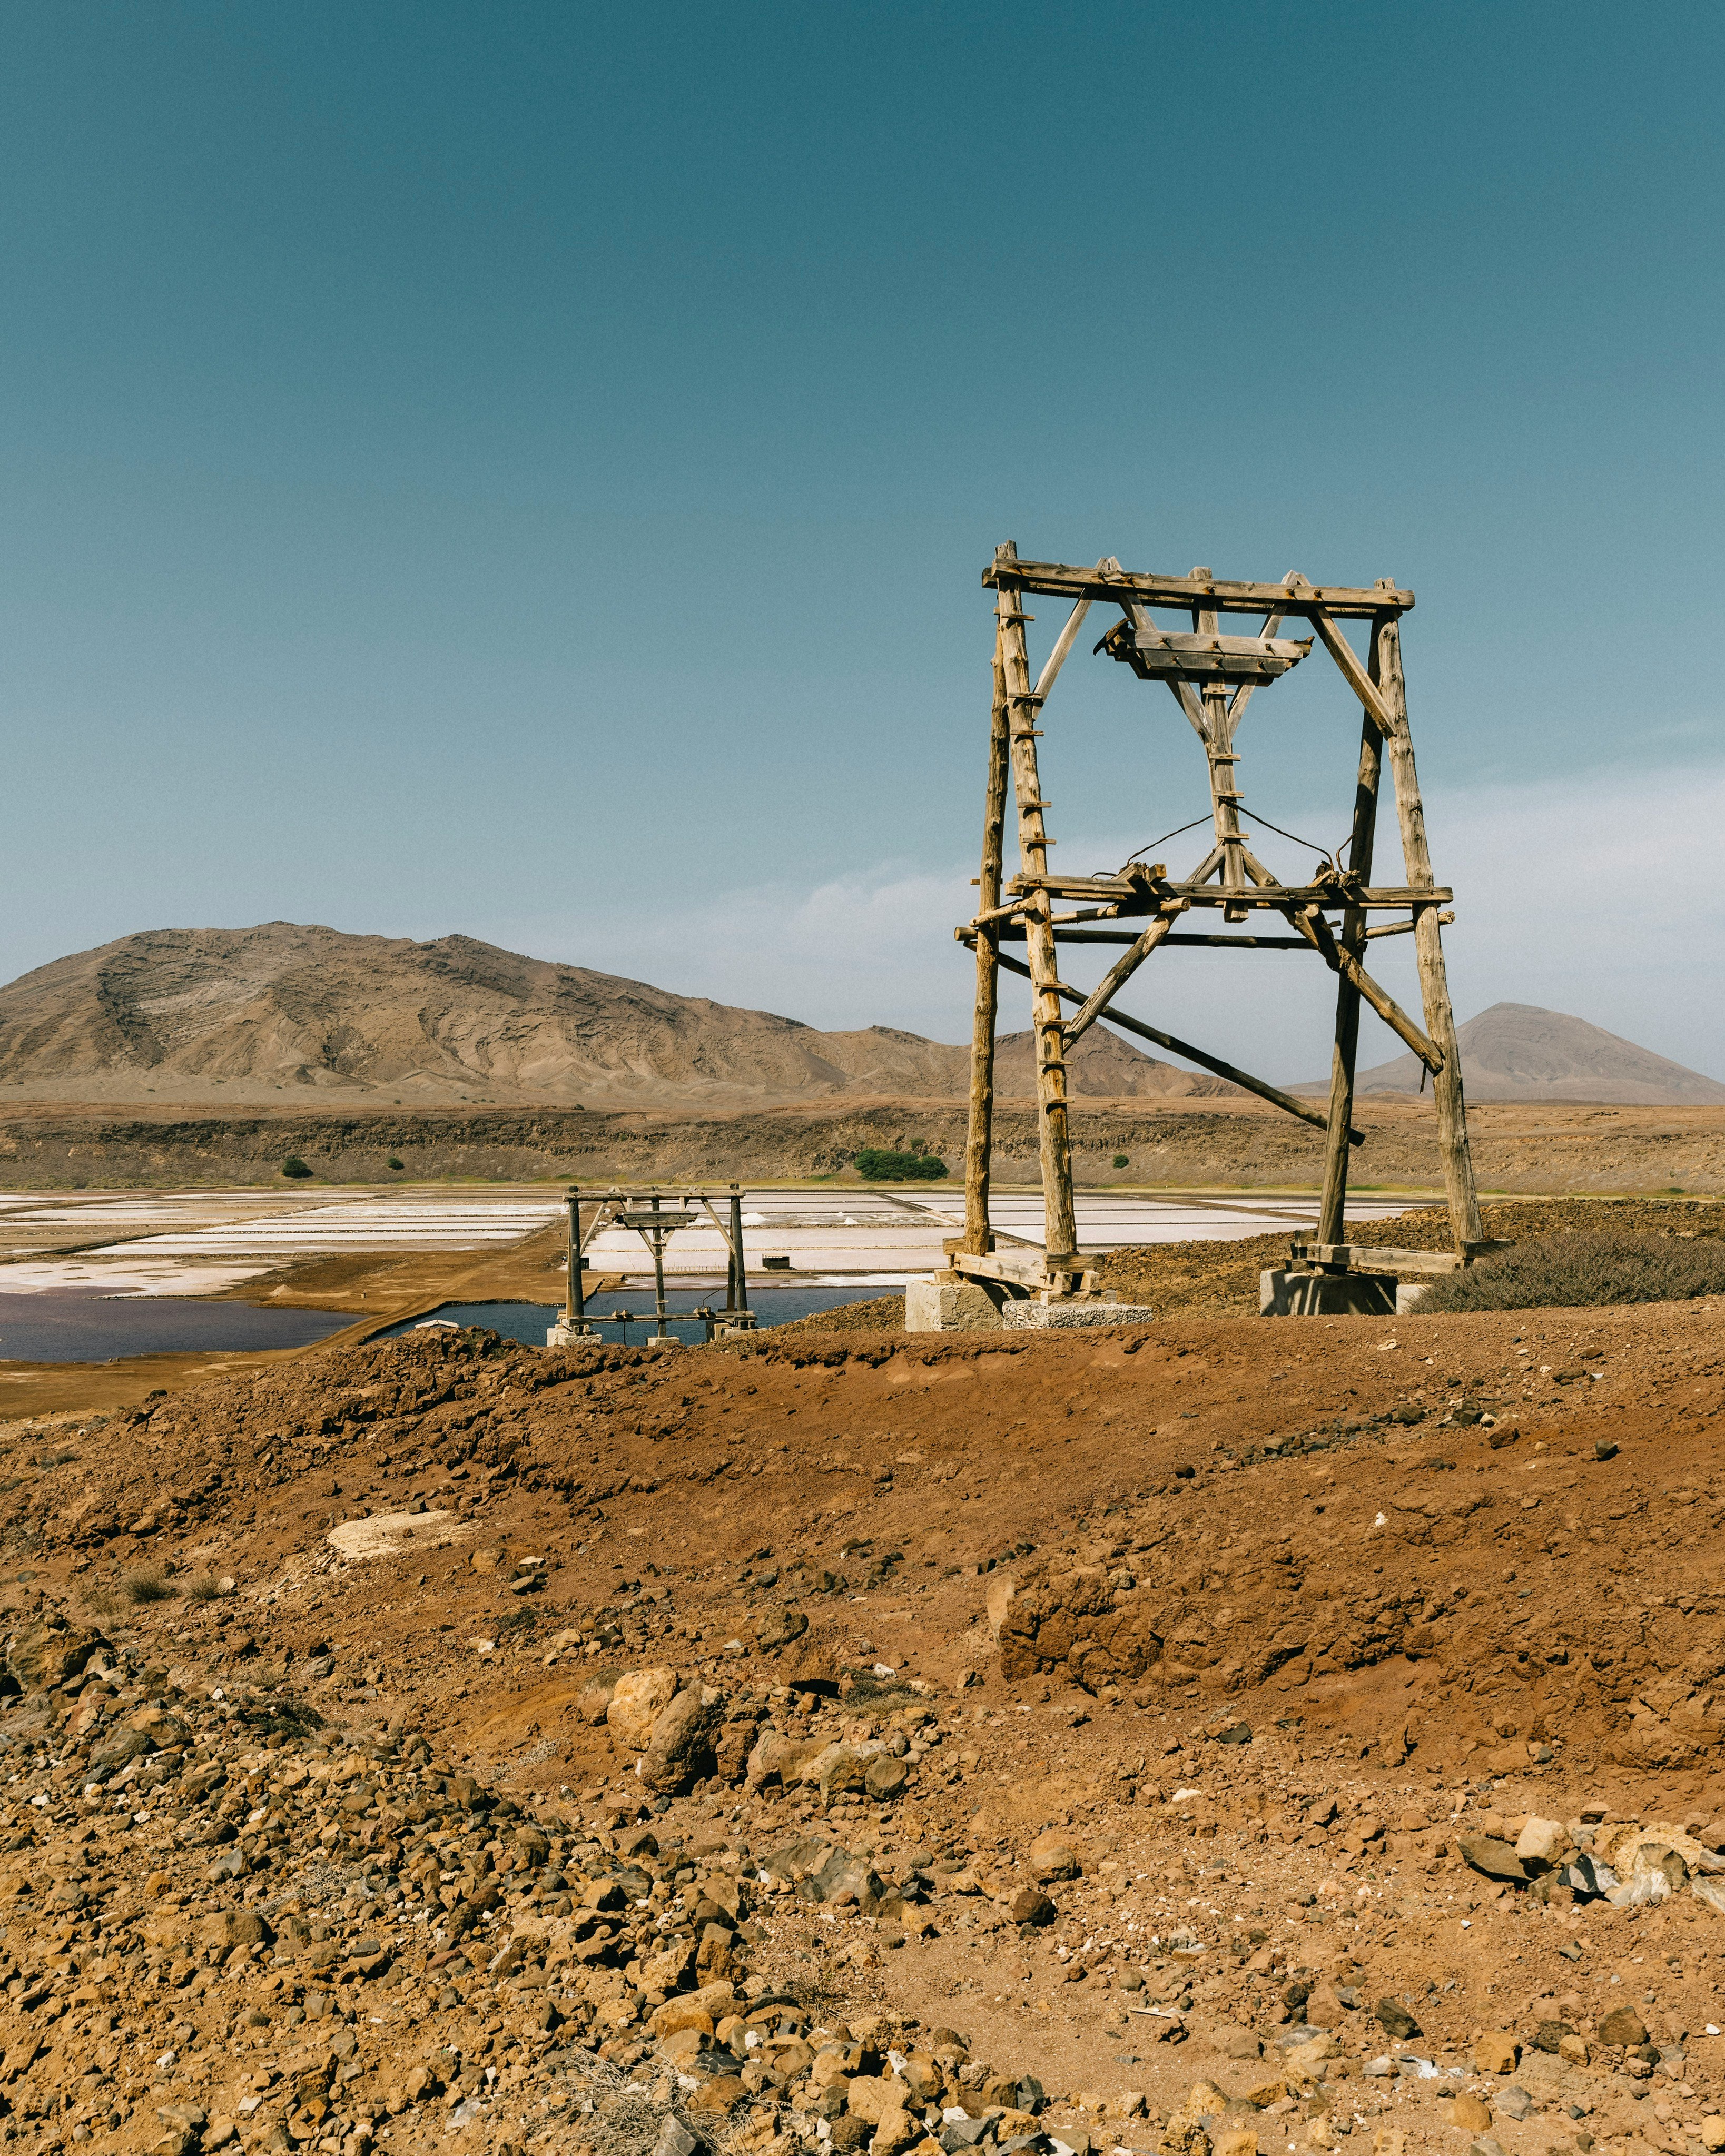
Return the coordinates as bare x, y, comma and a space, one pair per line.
1154, 655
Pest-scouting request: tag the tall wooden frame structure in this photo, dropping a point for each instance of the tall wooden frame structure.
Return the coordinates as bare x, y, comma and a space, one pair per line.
1212, 678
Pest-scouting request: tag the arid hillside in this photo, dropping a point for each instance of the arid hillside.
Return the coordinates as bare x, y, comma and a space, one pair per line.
1517, 1052
262, 1015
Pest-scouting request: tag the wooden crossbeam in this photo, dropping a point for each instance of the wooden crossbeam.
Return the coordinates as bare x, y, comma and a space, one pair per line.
1058, 580
1118, 936
1176, 1047
1386, 1258
1332, 895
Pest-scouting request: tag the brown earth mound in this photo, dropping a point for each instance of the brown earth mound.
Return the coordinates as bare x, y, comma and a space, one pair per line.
1128, 1733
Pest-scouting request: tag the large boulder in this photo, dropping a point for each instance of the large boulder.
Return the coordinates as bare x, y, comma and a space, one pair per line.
1492, 1858
780, 1758
778, 1627
116, 1749
640, 1697
48, 1653
680, 1747
1049, 1858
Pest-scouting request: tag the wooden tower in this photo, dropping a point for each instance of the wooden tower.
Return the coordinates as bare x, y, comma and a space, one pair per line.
1212, 678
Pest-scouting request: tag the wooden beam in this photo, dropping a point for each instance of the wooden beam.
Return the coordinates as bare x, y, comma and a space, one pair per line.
1067, 637
1242, 695
1119, 936
979, 1139
1059, 1220
1057, 580
1309, 921
1428, 951
1405, 928
1373, 1258
1147, 631
1345, 1046
1343, 652
1273, 1093
1386, 1258
1118, 975
1331, 896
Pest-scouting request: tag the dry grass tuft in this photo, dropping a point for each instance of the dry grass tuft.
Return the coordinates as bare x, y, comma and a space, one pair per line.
1571, 1272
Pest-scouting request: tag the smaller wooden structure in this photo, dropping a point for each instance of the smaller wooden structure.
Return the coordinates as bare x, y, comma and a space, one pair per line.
1334, 916
655, 1215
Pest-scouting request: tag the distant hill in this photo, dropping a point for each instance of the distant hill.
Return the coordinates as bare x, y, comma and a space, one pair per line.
249, 1015
1517, 1052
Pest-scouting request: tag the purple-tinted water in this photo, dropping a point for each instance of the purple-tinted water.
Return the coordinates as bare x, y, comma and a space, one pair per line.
92, 1328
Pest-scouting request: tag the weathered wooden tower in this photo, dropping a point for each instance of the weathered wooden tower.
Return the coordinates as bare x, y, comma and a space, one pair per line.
1212, 678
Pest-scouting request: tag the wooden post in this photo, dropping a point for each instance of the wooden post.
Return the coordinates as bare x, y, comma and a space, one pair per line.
741, 1303
1428, 948
658, 1236
1219, 748
979, 1147
575, 1301
1346, 1050
1059, 1222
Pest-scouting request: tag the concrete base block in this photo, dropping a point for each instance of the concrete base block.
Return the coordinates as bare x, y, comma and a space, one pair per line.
1070, 1317
1326, 1294
948, 1302
566, 1336
1408, 1296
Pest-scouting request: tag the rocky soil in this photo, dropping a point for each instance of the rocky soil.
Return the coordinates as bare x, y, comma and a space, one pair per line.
1230, 1738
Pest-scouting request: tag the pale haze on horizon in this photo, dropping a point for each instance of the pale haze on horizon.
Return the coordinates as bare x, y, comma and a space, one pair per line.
527, 472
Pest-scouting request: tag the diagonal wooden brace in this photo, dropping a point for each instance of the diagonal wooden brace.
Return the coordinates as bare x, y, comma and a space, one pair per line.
1175, 1046
1317, 930
1356, 676
1121, 972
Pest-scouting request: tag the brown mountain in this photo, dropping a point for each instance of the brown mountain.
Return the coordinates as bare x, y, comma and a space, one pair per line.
252, 1014
1518, 1052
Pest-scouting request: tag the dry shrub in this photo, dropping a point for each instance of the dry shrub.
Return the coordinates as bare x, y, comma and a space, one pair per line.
205, 1588
146, 1587
1570, 1272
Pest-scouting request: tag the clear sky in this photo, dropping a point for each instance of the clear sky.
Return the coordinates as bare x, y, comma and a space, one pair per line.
526, 470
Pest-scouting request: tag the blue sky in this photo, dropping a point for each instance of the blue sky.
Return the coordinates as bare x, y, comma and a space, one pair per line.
525, 471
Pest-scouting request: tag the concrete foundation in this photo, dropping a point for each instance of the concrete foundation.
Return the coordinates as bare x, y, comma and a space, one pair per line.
561, 1335
948, 1302
1326, 1294
952, 1303
1071, 1317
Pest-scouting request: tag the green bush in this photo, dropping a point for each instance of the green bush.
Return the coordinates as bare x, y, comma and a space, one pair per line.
874, 1165
393, 1162
295, 1167
1572, 1271
1120, 1161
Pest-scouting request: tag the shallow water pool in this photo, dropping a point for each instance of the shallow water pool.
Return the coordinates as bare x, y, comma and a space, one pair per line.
529, 1322
99, 1329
